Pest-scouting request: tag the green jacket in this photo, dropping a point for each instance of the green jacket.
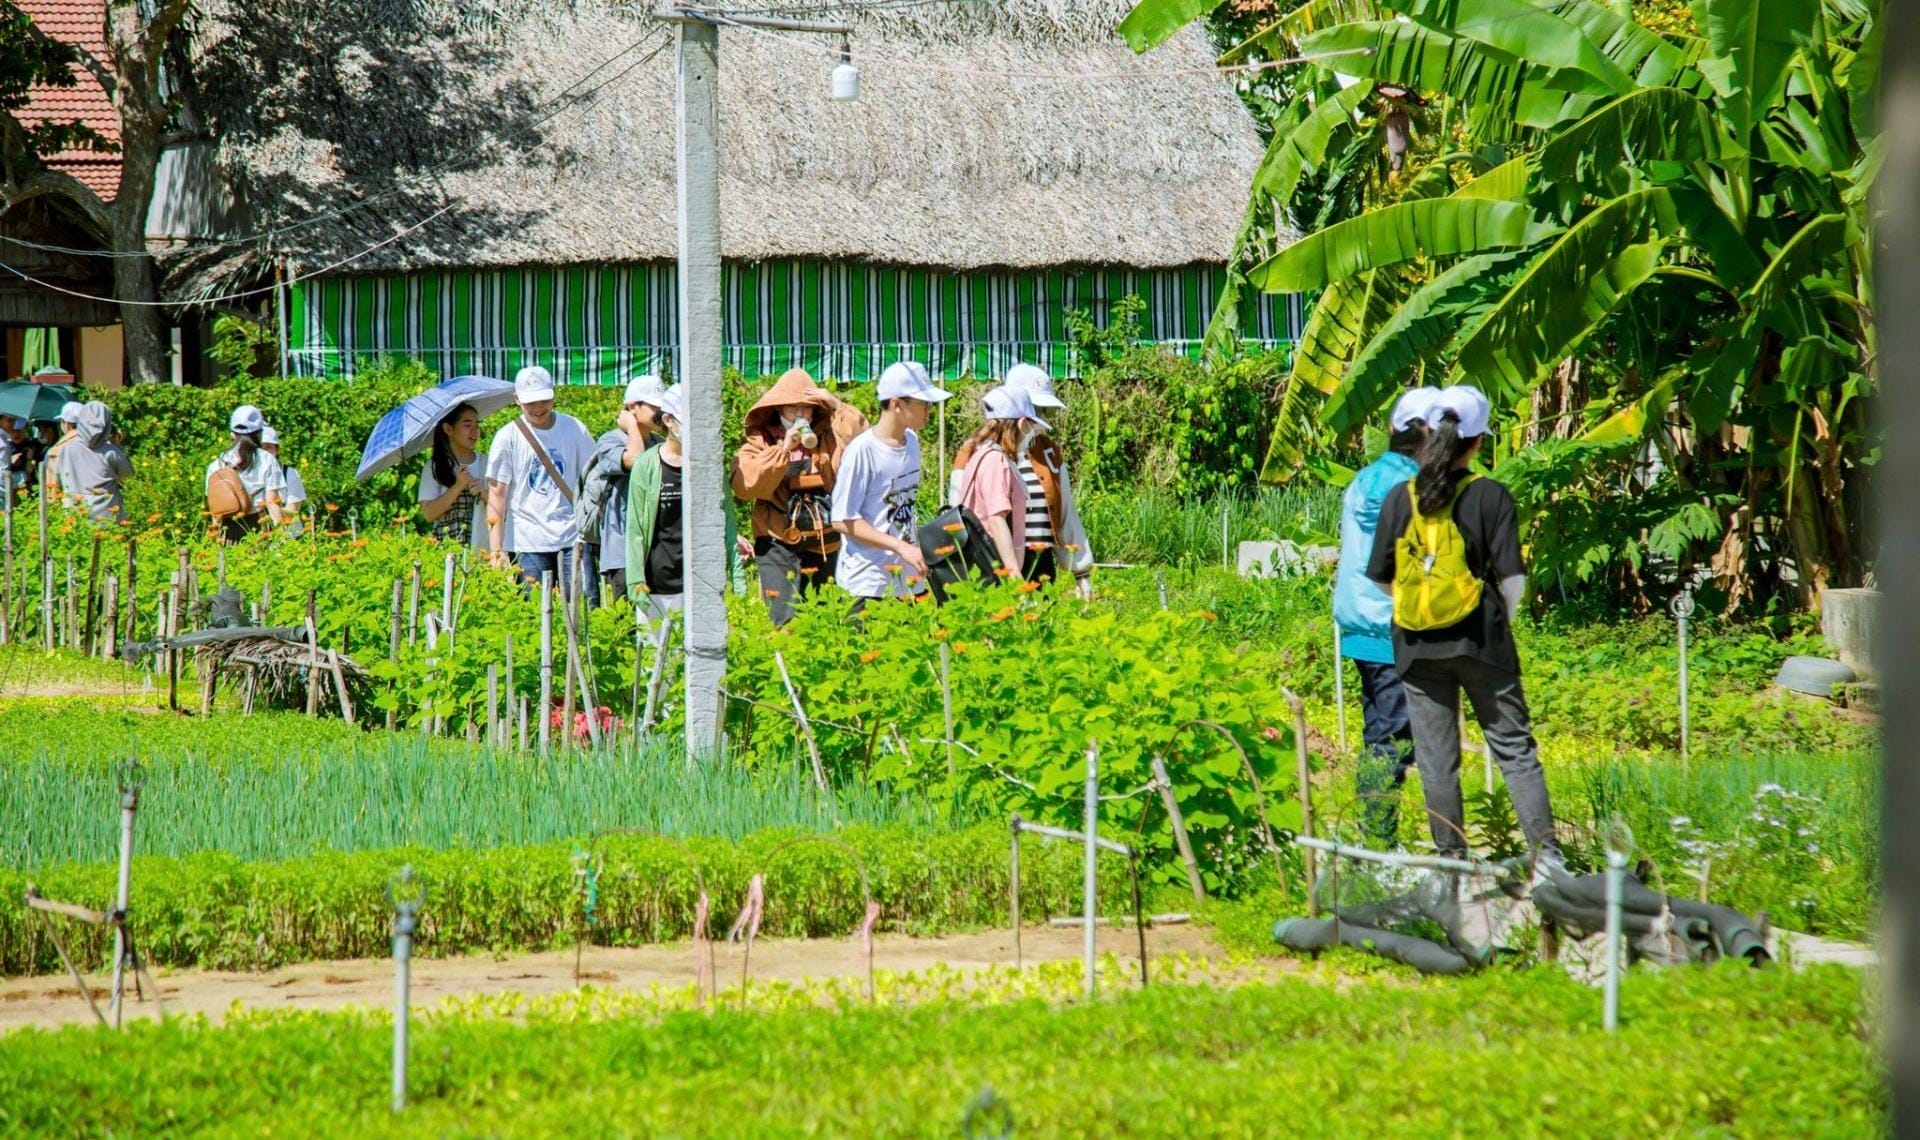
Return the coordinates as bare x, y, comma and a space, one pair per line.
643, 504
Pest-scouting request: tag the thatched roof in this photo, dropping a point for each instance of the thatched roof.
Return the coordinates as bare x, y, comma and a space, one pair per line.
966, 168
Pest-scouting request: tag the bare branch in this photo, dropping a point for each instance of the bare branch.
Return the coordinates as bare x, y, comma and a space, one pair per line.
87, 59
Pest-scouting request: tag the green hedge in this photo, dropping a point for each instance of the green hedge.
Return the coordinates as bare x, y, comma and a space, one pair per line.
216, 911
1700, 1053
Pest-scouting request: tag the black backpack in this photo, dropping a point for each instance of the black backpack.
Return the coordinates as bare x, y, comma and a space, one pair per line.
956, 545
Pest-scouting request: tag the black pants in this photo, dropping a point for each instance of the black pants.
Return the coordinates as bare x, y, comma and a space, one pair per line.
1433, 701
233, 528
1038, 565
1388, 733
789, 572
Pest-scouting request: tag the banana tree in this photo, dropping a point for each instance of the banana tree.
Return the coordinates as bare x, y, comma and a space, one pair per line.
1683, 215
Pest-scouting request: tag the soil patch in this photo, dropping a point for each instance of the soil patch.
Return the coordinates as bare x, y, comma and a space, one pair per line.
51, 1001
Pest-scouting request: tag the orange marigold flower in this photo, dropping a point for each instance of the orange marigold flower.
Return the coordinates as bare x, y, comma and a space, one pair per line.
959, 647
869, 657
892, 567
943, 551
773, 593
1030, 616
1029, 587
1003, 615
940, 635
954, 528
1003, 572
1208, 615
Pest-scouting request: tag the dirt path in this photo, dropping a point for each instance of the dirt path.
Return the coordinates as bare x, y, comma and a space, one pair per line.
53, 1000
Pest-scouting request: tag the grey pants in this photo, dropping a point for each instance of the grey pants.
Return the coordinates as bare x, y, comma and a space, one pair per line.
1433, 702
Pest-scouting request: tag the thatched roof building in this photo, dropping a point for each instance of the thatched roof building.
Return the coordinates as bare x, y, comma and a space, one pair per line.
1007, 160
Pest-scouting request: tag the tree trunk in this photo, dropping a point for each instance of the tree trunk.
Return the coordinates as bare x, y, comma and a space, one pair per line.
135, 283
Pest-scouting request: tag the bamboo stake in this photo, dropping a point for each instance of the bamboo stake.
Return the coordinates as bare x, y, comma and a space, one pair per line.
110, 622
46, 568
806, 726
6, 577
413, 604
946, 706
93, 585
69, 632
657, 682
506, 738
393, 639
1305, 773
570, 661
1179, 821
313, 659
446, 596
133, 590
546, 659
340, 685
493, 705
173, 655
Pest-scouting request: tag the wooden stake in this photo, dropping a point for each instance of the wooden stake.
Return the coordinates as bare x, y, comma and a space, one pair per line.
93, 585
1305, 772
1179, 821
313, 658
393, 638
413, 605
173, 655
806, 726
110, 624
340, 685
493, 706
46, 568
6, 575
546, 660
132, 582
512, 694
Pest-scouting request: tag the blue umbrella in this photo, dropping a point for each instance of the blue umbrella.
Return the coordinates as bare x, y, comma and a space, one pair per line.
408, 429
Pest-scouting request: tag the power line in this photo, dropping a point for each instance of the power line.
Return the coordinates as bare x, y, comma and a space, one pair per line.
586, 99
567, 98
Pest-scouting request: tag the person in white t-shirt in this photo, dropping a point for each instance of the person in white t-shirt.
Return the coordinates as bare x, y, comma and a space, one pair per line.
259, 472
540, 503
874, 493
294, 499
453, 483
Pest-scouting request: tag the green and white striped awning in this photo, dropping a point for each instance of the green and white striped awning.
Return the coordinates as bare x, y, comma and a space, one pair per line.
601, 325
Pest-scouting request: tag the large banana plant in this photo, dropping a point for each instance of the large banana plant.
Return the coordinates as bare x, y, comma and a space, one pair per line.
1684, 214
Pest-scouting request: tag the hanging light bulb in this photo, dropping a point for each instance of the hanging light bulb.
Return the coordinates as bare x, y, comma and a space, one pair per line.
846, 77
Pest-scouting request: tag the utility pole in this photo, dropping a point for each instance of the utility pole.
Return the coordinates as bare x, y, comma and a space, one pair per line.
703, 497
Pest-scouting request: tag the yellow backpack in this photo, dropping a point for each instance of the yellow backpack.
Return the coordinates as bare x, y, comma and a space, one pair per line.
1433, 587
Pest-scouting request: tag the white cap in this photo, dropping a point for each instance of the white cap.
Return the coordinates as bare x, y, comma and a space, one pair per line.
1009, 403
532, 384
246, 418
70, 412
673, 402
908, 379
1036, 383
644, 390
268, 436
1465, 402
1412, 405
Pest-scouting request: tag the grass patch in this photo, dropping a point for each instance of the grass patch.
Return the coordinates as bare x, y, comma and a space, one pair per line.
1700, 1052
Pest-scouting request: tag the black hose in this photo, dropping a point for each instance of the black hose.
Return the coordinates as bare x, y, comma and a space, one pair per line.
1315, 934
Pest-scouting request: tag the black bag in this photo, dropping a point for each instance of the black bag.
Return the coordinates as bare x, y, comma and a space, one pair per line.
955, 544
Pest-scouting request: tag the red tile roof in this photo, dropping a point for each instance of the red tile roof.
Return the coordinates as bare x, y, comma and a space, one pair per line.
81, 22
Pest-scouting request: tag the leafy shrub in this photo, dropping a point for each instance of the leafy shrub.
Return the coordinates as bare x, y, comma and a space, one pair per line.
217, 911
1033, 679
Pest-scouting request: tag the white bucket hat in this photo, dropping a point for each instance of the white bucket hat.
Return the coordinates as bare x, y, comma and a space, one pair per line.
1035, 383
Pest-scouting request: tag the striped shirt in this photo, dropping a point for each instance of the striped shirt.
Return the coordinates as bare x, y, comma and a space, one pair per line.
1039, 522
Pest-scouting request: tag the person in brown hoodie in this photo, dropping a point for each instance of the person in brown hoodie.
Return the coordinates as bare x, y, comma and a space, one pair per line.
795, 435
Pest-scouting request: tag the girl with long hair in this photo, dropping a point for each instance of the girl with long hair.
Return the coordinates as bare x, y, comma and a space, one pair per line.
453, 482
1448, 547
259, 472
989, 484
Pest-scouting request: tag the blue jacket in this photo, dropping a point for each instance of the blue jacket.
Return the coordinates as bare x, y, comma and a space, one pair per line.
1362, 610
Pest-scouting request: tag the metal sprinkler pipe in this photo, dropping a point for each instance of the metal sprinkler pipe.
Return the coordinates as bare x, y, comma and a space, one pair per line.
1682, 607
122, 948
1089, 896
405, 894
1616, 872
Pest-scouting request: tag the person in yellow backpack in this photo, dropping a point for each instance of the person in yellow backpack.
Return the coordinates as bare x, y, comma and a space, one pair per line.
1448, 548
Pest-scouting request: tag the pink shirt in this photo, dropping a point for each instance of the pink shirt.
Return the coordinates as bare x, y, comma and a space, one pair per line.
992, 486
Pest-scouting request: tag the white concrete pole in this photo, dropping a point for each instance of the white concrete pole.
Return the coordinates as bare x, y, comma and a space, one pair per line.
703, 498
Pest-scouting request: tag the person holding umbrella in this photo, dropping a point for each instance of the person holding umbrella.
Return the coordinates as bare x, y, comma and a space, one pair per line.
453, 483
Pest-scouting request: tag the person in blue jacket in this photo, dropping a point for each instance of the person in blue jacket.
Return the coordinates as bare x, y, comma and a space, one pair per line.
1364, 613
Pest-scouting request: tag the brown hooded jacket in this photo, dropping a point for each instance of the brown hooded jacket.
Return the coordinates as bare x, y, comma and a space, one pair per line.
765, 474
